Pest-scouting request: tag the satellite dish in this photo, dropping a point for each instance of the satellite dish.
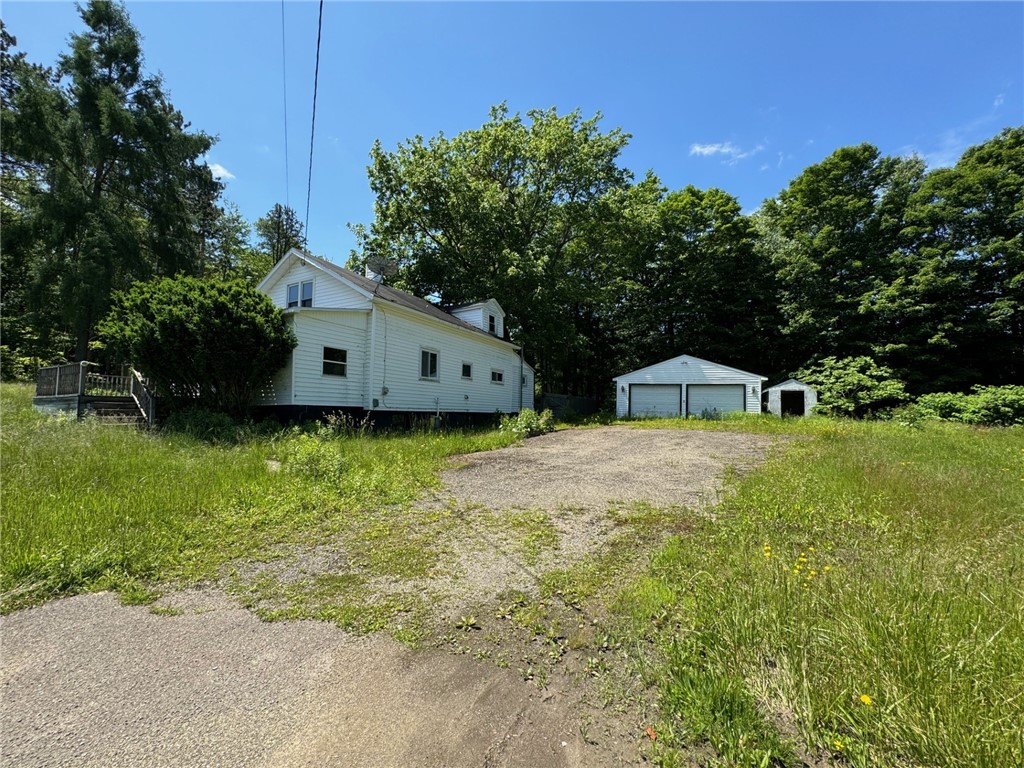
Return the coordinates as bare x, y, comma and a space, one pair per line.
382, 265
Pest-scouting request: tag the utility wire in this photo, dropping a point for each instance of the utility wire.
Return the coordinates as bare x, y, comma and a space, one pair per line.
284, 90
312, 127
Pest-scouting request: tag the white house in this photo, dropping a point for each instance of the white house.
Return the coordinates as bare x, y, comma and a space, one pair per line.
366, 346
791, 398
686, 385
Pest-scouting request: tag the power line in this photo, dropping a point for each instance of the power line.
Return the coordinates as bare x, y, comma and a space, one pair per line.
284, 89
312, 127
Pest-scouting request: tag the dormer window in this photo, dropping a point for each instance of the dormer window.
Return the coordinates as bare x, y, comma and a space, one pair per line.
300, 294
492, 325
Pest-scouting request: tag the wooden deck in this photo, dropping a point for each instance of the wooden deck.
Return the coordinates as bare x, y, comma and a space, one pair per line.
73, 388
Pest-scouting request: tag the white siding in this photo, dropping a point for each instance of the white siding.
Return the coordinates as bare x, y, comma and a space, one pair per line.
279, 389
328, 291
775, 396
478, 315
528, 376
342, 330
400, 336
687, 370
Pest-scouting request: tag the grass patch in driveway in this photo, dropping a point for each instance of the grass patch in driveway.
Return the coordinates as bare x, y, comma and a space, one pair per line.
859, 600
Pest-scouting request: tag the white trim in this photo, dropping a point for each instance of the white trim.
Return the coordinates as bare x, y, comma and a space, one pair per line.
437, 364
324, 361
501, 373
285, 263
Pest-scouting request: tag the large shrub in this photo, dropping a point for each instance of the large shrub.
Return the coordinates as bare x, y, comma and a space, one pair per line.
203, 343
852, 386
984, 406
528, 423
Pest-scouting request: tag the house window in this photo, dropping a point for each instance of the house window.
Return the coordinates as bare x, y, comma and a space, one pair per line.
467, 370
497, 377
428, 364
492, 325
335, 362
300, 294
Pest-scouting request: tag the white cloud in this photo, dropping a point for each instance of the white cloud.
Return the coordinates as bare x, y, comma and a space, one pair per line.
732, 153
765, 166
705, 150
1000, 98
220, 172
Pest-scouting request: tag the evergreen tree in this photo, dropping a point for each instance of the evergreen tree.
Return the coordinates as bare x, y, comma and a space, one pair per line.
110, 184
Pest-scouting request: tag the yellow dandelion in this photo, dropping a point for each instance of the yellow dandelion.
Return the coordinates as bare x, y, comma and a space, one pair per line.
838, 745
866, 700
828, 568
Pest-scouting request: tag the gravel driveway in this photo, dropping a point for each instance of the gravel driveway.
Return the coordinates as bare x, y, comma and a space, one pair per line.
88, 682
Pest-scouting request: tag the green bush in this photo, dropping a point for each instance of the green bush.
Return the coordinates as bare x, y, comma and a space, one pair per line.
983, 407
315, 455
852, 386
528, 423
948, 406
202, 343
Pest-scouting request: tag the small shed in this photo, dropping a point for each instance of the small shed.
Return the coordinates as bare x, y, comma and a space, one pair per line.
686, 385
792, 398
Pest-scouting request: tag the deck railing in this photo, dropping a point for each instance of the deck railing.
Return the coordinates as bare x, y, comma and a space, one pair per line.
145, 399
61, 380
74, 380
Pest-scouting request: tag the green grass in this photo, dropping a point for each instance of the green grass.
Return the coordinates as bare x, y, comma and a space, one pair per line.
874, 561
859, 599
90, 506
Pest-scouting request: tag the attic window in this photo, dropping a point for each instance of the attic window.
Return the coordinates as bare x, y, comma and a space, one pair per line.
303, 290
492, 325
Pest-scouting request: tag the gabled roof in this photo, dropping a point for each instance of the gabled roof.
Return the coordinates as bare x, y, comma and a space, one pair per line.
386, 293
695, 359
475, 304
791, 381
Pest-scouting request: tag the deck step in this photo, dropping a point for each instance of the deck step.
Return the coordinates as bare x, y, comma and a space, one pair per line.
120, 410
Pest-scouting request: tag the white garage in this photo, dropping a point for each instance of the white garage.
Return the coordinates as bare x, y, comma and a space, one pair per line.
686, 385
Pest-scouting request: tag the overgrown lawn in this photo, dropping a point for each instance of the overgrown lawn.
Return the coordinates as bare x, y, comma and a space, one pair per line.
858, 599
89, 506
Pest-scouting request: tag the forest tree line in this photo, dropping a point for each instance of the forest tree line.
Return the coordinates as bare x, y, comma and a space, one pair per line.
922, 270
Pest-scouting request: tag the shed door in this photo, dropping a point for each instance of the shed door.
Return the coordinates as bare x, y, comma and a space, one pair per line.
723, 398
654, 399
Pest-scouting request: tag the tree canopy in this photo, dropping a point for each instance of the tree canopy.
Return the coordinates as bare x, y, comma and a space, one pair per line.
862, 255
110, 183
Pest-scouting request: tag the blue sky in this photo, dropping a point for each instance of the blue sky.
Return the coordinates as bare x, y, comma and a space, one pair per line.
738, 95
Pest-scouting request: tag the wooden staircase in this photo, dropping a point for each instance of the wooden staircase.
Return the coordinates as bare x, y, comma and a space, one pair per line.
116, 410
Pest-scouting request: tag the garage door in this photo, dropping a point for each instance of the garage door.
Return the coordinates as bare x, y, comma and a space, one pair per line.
714, 397
654, 399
